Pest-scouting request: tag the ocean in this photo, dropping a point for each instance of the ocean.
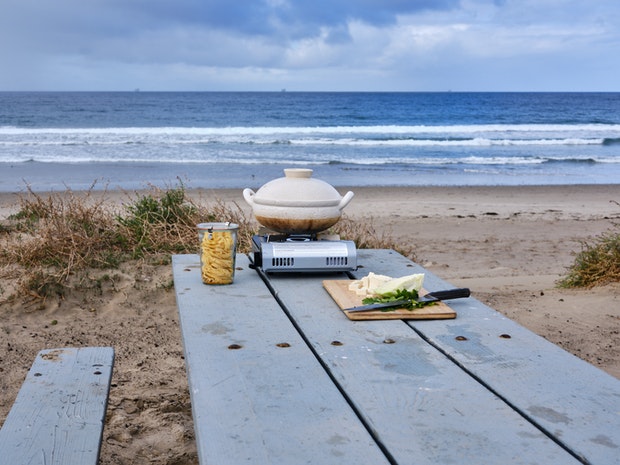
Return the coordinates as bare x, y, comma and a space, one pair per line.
130, 140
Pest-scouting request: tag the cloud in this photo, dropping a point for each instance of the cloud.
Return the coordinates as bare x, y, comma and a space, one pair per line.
314, 45
196, 31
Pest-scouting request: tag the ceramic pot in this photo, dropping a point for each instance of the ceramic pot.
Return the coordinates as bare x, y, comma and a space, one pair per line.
297, 203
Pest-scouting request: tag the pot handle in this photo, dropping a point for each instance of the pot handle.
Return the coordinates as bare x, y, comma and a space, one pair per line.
345, 200
248, 195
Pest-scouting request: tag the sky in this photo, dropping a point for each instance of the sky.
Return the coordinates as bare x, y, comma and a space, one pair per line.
310, 45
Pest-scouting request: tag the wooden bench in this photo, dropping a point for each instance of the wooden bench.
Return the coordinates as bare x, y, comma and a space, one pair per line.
278, 374
59, 412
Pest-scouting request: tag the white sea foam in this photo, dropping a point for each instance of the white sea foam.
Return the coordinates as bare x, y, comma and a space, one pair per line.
413, 136
496, 144
475, 142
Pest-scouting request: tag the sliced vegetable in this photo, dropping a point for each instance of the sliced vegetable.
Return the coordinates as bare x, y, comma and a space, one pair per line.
391, 289
399, 294
411, 282
367, 285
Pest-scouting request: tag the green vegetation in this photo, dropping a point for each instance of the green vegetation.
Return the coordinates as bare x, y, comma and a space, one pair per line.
399, 294
598, 263
60, 235
53, 240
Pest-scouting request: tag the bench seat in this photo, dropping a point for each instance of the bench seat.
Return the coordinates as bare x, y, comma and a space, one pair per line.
59, 412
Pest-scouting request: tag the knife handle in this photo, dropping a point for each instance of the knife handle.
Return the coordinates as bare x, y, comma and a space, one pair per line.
456, 293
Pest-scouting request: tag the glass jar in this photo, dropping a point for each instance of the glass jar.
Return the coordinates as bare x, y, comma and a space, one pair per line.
218, 251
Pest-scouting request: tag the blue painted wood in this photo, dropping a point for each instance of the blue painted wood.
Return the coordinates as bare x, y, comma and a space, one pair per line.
59, 412
258, 393
420, 405
572, 400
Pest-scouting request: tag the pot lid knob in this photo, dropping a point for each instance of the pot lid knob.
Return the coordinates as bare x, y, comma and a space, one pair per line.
297, 172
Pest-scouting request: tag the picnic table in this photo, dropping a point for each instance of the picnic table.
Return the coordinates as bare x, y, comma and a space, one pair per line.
279, 375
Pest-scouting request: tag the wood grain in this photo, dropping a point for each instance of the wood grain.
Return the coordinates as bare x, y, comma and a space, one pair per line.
259, 395
339, 290
58, 416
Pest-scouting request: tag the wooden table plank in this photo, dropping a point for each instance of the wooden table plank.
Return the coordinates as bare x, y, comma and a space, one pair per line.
420, 405
571, 399
59, 412
258, 393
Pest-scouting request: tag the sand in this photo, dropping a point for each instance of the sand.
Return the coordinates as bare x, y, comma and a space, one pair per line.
509, 245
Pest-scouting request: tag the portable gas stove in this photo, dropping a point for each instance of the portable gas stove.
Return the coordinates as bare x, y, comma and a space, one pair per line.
303, 252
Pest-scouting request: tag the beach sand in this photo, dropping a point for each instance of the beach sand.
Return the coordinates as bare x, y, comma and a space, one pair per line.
509, 245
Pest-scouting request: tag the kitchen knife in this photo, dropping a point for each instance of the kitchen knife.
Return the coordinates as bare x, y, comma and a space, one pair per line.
435, 296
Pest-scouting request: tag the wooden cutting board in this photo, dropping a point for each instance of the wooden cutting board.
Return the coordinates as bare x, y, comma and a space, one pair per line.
339, 290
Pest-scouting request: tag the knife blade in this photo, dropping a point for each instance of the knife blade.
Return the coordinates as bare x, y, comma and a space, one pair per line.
435, 296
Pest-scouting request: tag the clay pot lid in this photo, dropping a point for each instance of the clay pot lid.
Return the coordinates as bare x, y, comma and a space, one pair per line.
298, 189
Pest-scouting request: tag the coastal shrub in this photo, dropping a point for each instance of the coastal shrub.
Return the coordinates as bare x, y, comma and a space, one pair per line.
53, 239
57, 236
598, 263
365, 236
54, 236
164, 222
157, 222
62, 230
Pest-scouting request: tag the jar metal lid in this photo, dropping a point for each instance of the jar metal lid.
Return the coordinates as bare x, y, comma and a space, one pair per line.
217, 226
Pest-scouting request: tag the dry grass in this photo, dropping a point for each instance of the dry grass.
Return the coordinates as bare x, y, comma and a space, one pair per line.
56, 237
52, 237
598, 263
365, 236
163, 222
54, 240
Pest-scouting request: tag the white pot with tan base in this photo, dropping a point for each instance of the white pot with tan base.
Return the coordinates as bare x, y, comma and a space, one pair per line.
297, 203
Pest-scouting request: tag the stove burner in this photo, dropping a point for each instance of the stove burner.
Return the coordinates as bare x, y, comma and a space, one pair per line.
290, 237
303, 252
300, 238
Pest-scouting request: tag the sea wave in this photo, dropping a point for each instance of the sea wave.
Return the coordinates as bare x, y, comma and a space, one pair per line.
476, 142
497, 144
476, 160
448, 142
377, 129
313, 160
447, 136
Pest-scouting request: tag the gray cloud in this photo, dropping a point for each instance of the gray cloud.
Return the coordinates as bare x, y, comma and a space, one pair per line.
314, 45
75, 27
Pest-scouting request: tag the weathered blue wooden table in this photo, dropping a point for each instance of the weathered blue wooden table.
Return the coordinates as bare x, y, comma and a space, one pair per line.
279, 375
